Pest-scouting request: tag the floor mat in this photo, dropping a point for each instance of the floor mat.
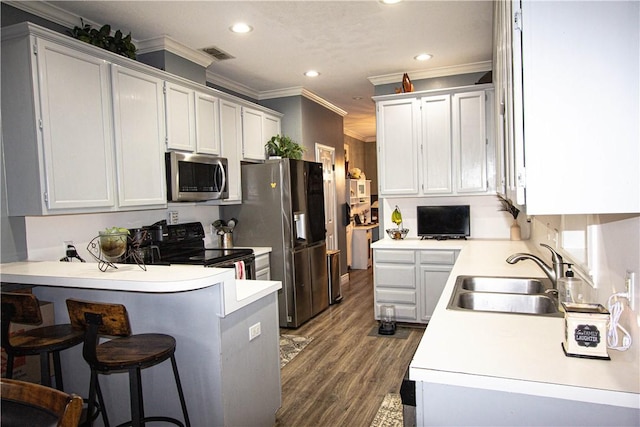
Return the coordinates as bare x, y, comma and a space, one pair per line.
290, 346
401, 333
390, 412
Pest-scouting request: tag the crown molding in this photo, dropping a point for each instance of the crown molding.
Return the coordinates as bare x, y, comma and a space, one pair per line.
231, 85
58, 16
474, 67
301, 91
358, 136
50, 12
170, 45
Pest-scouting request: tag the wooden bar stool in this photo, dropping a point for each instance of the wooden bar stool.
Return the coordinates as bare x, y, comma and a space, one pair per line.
34, 405
47, 340
127, 353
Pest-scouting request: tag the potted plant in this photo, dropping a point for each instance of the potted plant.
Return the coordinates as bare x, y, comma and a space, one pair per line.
102, 38
284, 147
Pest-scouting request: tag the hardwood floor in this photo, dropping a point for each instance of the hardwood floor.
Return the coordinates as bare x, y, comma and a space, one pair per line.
342, 376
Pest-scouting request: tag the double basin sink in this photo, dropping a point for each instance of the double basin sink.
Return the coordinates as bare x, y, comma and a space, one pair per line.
515, 295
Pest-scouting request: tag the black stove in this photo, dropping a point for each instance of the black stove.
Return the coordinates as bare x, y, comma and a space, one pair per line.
184, 244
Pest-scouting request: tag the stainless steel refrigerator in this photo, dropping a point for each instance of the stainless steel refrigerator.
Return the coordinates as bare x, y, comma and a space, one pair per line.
283, 207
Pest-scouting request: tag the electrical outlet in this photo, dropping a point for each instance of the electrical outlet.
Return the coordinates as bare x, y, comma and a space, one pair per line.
630, 284
254, 331
173, 217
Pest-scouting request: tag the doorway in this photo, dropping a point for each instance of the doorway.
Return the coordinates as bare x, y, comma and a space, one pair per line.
327, 155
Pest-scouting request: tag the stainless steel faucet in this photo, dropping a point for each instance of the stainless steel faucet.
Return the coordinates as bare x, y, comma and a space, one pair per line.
554, 273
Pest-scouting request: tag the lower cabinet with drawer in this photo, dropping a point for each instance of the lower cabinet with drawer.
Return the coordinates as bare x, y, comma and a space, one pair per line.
263, 267
410, 280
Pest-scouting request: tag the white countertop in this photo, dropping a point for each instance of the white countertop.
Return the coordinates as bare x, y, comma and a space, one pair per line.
131, 278
511, 352
366, 226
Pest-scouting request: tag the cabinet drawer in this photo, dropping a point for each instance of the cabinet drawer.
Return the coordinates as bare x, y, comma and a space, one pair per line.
395, 296
402, 257
404, 313
395, 276
438, 257
262, 261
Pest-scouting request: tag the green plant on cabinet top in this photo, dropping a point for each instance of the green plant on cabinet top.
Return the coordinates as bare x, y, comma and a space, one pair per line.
102, 38
283, 146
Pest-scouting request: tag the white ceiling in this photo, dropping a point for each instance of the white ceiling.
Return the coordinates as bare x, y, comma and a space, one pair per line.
348, 42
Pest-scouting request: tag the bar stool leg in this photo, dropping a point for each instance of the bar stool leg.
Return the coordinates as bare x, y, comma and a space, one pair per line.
135, 390
45, 373
92, 411
183, 403
57, 370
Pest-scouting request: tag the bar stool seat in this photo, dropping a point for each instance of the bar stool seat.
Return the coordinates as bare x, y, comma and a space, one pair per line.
34, 405
124, 353
44, 341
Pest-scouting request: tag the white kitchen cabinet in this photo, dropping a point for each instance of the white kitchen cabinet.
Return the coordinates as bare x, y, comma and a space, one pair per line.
271, 126
398, 140
57, 130
181, 123
192, 120
434, 270
412, 280
470, 141
252, 145
394, 278
257, 128
263, 267
207, 127
231, 147
434, 143
139, 119
582, 150
437, 150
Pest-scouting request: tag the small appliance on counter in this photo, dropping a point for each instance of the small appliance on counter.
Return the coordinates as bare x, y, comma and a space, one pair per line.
585, 330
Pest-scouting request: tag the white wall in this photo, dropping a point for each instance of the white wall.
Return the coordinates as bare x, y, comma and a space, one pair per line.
46, 234
487, 220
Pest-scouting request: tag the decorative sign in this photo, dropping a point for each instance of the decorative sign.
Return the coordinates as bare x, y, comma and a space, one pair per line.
587, 335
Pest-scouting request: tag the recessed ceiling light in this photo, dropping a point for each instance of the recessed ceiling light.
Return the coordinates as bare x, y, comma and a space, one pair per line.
357, 98
312, 73
390, 1
241, 27
423, 57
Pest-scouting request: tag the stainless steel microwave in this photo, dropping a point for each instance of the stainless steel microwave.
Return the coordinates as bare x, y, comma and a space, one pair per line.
196, 177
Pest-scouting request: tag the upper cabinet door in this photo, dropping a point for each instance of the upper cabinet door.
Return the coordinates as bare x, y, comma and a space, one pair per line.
76, 128
207, 129
270, 127
180, 117
231, 146
437, 157
470, 141
398, 139
253, 140
139, 135
581, 133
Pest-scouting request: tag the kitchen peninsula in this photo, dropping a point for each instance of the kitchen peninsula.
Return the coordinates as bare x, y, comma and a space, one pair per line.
228, 378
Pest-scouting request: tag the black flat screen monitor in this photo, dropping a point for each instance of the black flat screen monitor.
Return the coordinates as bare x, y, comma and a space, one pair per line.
444, 222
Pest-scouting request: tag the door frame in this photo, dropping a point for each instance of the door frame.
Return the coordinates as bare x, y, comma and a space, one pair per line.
333, 244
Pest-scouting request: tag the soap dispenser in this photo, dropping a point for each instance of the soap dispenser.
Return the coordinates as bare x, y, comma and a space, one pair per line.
570, 288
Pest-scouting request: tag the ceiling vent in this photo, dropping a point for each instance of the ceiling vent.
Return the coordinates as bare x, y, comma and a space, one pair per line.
217, 53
